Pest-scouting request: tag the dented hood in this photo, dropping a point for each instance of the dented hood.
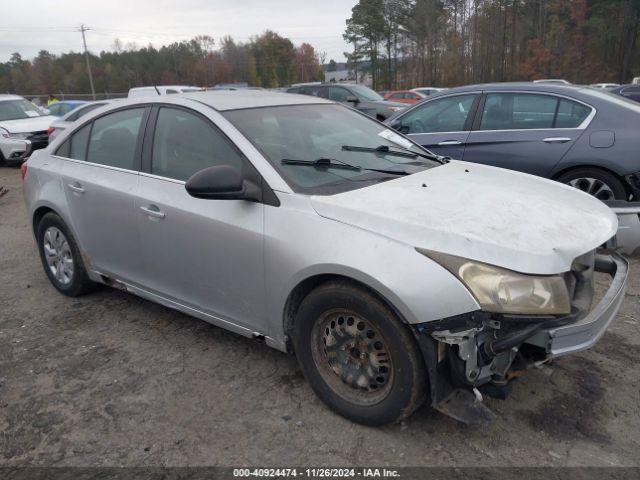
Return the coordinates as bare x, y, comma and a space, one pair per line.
496, 216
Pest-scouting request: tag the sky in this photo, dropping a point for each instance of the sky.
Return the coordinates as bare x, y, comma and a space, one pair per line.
28, 26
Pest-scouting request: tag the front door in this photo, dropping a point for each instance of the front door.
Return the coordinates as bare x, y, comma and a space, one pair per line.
527, 132
100, 181
440, 125
204, 254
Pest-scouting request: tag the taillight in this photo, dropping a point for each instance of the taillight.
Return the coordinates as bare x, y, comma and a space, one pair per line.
23, 170
50, 130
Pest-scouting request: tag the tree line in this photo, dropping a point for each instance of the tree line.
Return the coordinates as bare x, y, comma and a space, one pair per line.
268, 60
408, 43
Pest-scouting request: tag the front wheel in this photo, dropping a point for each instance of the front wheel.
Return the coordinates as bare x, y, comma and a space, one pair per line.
358, 357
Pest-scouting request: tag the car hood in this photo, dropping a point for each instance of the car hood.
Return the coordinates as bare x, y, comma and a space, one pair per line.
508, 219
35, 124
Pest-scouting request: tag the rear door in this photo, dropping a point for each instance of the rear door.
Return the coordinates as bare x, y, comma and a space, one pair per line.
100, 181
441, 125
525, 131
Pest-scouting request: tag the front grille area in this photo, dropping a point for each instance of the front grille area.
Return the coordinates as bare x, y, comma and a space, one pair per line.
39, 140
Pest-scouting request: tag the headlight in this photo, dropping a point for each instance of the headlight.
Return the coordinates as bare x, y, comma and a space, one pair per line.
22, 136
500, 290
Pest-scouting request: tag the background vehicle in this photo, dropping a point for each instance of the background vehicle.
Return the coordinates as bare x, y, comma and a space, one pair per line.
357, 96
404, 96
23, 129
606, 86
60, 124
584, 137
632, 92
62, 107
138, 92
228, 206
426, 91
553, 81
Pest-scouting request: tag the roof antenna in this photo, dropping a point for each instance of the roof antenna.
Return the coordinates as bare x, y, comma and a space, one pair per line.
156, 87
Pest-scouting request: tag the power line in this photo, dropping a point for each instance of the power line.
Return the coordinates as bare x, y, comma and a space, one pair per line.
86, 56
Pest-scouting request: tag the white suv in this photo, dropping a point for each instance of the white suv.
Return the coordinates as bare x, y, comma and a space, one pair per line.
23, 129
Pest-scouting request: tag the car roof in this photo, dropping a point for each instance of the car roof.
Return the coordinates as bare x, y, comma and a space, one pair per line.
516, 86
243, 98
4, 96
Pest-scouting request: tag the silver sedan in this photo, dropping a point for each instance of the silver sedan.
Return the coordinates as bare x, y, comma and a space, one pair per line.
394, 275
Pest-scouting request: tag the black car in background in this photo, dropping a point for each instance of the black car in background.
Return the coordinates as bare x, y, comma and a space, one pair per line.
580, 136
631, 92
357, 96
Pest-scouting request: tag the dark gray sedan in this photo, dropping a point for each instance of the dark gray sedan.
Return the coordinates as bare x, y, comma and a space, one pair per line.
356, 96
584, 137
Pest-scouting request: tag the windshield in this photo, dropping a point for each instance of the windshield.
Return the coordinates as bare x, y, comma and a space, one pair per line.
18, 109
365, 93
312, 132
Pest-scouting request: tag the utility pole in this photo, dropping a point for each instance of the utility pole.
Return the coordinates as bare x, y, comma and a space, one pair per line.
86, 56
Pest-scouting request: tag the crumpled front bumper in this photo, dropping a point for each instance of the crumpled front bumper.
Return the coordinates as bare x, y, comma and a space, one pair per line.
584, 333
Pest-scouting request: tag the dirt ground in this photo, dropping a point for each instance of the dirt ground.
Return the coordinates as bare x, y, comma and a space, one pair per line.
110, 379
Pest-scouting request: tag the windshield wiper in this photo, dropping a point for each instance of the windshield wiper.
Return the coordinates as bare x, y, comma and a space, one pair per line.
386, 149
381, 149
325, 163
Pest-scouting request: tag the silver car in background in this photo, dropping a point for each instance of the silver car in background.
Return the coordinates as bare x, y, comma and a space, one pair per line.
61, 124
393, 274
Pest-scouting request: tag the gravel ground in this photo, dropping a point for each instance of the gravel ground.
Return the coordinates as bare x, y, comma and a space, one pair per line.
110, 379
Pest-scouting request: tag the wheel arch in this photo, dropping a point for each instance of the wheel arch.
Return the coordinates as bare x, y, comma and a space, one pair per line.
39, 214
556, 175
307, 285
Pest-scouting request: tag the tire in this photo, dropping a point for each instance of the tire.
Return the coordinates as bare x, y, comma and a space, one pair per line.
3, 162
372, 375
53, 235
599, 183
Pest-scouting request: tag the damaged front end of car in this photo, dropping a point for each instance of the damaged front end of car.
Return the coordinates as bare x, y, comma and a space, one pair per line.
479, 352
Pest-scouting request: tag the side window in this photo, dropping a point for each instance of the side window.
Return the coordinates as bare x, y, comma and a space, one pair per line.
571, 114
397, 96
54, 109
78, 148
114, 138
339, 94
76, 145
323, 92
185, 143
518, 111
447, 114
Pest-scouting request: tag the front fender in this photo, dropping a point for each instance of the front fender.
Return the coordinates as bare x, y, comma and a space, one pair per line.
299, 244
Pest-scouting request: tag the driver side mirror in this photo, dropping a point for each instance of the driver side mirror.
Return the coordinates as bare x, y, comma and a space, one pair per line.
353, 99
222, 182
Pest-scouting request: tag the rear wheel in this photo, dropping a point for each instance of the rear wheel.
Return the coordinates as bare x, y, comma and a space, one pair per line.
3, 162
358, 357
599, 183
61, 257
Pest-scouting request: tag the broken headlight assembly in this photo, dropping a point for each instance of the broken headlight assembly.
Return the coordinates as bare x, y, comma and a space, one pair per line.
499, 290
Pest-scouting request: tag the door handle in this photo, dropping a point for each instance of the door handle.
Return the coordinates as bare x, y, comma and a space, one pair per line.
449, 142
76, 188
557, 140
153, 211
